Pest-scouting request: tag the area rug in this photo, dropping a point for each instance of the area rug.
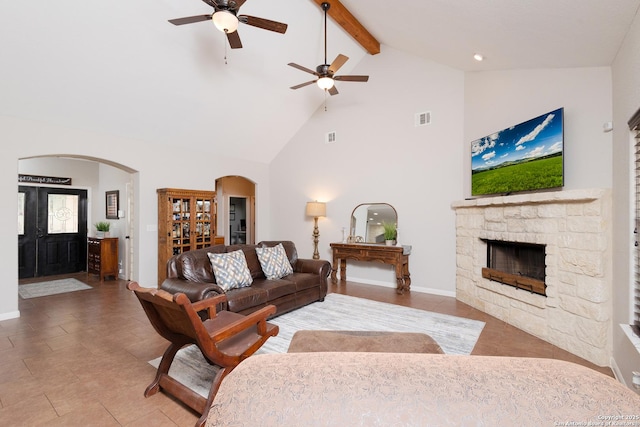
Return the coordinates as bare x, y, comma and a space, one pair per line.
455, 335
52, 287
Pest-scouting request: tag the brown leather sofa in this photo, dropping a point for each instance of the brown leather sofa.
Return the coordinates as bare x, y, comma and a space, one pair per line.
191, 273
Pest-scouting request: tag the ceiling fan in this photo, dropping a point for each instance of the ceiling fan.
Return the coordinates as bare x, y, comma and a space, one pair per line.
226, 19
325, 72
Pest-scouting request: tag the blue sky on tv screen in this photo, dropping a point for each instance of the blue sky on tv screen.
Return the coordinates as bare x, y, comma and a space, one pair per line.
534, 138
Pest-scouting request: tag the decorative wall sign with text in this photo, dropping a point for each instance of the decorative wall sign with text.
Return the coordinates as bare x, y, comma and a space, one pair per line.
36, 179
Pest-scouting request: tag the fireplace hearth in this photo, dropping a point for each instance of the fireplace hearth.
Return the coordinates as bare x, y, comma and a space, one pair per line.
521, 265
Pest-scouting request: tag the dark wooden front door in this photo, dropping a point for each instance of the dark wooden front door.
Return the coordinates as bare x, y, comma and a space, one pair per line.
52, 231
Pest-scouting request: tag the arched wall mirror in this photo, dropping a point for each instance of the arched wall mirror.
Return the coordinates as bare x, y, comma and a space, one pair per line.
366, 222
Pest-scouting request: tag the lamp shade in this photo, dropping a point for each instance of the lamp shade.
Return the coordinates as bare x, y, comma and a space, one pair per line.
225, 21
316, 209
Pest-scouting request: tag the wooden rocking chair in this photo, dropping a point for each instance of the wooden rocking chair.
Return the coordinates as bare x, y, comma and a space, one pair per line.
225, 339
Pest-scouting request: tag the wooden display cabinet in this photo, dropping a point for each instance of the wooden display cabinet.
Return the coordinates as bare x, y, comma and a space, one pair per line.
102, 256
186, 221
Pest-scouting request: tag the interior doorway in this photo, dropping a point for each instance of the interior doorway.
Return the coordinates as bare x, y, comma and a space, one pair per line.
238, 220
236, 209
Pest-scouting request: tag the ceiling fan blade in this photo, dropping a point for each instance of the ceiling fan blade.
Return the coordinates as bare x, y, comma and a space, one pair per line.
234, 40
352, 78
333, 91
300, 67
265, 24
303, 84
337, 63
235, 4
190, 19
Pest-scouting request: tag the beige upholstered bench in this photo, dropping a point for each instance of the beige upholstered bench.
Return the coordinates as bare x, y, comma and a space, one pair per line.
363, 341
416, 389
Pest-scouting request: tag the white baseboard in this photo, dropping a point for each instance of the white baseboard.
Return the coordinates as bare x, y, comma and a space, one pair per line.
413, 287
616, 371
10, 315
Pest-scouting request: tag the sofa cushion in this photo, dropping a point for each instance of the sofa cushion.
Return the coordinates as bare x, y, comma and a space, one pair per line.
252, 259
231, 270
276, 288
304, 280
274, 262
194, 266
242, 300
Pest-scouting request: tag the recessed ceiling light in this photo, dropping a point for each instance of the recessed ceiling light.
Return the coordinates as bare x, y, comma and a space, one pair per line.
478, 57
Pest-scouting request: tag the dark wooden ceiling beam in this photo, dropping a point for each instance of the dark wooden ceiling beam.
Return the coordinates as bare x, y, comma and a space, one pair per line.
351, 25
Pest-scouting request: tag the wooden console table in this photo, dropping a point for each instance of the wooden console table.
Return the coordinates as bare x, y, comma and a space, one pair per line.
393, 255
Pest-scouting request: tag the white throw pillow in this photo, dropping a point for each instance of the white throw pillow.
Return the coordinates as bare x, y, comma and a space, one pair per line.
274, 262
231, 270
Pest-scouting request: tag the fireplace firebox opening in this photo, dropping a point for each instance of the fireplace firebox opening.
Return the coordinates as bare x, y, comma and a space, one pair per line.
521, 265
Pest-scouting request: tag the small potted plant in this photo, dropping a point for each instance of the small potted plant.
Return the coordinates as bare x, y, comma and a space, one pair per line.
102, 228
390, 233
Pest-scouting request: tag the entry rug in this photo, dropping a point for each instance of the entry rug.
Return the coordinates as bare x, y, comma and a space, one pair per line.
455, 335
52, 287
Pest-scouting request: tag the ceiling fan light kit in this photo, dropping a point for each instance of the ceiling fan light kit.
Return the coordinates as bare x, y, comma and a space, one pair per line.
325, 83
225, 21
325, 73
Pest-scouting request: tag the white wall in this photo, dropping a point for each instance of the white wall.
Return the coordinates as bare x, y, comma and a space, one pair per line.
626, 101
84, 174
497, 100
156, 166
380, 156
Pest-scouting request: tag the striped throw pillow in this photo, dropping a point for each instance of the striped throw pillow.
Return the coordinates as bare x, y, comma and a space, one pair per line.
274, 262
231, 270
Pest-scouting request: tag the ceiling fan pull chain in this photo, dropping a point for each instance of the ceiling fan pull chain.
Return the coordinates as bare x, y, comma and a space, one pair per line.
325, 100
225, 49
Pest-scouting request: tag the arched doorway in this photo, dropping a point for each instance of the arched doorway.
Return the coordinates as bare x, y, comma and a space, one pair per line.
93, 177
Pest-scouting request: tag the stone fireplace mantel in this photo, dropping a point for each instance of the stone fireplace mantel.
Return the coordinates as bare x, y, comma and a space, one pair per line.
575, 227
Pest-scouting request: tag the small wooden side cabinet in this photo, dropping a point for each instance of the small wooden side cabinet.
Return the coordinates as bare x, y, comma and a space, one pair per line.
102, 256
394, 255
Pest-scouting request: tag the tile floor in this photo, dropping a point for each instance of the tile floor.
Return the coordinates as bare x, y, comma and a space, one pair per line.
80, 358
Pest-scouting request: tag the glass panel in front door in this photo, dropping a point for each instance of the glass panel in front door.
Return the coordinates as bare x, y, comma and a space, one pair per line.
62, 213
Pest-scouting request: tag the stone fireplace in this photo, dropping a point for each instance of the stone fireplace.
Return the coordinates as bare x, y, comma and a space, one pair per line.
574, 228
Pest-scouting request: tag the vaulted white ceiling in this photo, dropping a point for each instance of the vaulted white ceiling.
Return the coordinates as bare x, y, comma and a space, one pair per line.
118, 67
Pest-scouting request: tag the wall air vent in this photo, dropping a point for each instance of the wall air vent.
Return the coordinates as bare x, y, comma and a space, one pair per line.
330, 138
423, 119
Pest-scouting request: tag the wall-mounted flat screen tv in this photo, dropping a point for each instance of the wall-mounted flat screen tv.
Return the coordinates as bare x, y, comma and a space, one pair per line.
525, 157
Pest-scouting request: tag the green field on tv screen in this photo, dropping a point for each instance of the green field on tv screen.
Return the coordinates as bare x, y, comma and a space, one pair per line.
531, 175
